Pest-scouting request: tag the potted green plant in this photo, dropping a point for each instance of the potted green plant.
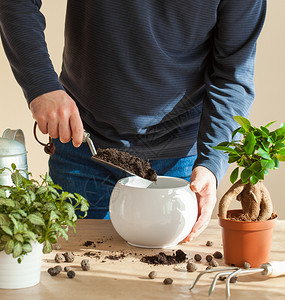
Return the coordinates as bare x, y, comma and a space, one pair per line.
247, 233
32, 217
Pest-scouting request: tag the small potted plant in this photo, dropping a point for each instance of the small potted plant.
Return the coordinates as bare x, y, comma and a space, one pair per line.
247, 233
32, 217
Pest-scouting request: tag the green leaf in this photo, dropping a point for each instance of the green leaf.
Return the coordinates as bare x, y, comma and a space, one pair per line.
62, 232
70, 223
13, 166
53, 216
29, 235
233, 158
245, 174
27, 198
2, 193
234, 175
253, 179
280, 131
17, 251
226, 149
7, 230
9, 246
32, 196
282, 152
2, 247
249, 143
238, 130
276, 161
243, 122
19, 238
52, 190
263, 153
260, 175
17, 178
267, 164
265, 145
48, 179
66, 195
267, 125
280, 157
14, 220
255, 167
27, 248
7, 202
37, 204
41, 190
265, 131
49, 206
47, 247
22, 212
70, 209
4, 220
5, 238
279, 146
36, 220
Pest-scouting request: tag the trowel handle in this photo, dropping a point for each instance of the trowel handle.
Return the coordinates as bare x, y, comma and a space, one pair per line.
87, 139
274, 268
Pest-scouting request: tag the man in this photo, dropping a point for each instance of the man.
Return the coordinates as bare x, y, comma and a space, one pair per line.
159, 79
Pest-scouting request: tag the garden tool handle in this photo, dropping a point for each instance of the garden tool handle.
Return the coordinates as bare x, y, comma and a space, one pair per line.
274, 268
87, 139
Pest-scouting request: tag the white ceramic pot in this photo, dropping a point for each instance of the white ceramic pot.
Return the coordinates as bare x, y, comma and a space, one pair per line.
26, 274
156, 215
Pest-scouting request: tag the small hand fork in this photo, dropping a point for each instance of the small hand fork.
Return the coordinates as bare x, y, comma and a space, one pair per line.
272, 269
222, 271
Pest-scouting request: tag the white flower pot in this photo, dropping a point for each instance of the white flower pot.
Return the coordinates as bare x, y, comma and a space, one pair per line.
26, 274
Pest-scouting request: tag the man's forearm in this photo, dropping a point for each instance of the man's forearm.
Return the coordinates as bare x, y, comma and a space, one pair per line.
229, 80
22, 31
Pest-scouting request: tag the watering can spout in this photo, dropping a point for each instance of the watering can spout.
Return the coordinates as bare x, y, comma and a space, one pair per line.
16, 135
12, 150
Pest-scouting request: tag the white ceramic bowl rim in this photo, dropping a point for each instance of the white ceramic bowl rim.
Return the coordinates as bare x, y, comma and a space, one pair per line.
163, 183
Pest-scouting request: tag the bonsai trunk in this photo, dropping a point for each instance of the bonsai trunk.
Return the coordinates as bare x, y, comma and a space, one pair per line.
255, 201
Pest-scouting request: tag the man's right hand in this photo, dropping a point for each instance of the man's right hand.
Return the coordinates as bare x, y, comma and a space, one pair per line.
57, 115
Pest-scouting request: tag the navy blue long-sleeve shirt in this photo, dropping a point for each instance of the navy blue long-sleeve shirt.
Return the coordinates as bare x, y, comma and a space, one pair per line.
157, 78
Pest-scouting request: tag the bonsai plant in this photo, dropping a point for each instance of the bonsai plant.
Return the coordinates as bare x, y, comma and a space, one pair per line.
257, 151
33, 212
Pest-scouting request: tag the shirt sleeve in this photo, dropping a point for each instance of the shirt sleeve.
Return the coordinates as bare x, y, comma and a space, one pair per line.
229, 79
22, 28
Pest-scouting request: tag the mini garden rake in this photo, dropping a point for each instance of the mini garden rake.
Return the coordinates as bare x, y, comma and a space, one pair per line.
272, 269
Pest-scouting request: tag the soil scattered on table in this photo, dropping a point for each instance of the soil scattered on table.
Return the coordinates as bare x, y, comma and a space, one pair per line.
89, 243
128, 162
116, 257
164, 259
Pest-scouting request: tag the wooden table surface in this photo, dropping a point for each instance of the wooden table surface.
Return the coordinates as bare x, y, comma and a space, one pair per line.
127, 277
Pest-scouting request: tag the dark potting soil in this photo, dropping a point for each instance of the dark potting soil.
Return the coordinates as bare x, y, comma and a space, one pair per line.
245, 217
116, 257
164, 259
128, 162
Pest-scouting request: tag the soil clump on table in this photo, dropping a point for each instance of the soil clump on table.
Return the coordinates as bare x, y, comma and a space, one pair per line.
128, 162
164, 259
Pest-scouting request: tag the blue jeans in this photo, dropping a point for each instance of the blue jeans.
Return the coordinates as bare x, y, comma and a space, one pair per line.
73, 169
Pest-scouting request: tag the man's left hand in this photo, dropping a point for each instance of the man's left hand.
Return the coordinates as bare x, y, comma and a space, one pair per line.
203, 183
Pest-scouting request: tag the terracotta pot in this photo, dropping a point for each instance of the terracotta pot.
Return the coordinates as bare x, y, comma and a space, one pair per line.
246, 241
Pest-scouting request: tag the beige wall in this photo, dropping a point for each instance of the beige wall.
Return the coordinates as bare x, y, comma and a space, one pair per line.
269, 79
